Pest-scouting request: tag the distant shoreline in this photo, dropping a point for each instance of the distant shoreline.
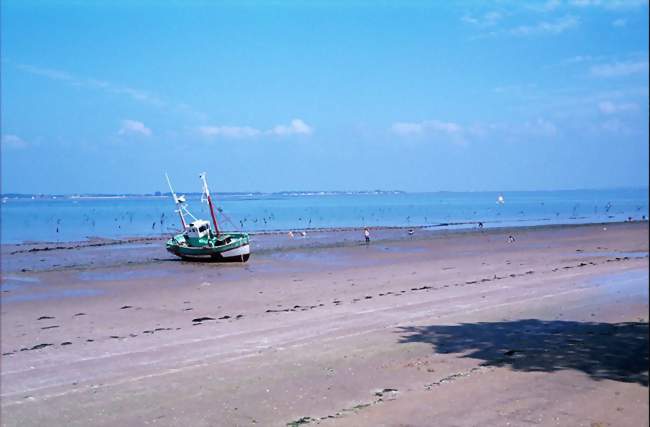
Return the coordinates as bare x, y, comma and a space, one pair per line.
37, 246
158, 194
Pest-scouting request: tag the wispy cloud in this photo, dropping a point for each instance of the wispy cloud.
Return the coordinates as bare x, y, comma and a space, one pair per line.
295, 127
578, 59
454, 132
430, 126
548, 6
447, 131
556, 26
13, 142
608, 107
620, 22
615, 125
135, 94
620, 69
229, 131
488, 19
64, 76
516, 89
134, 127
512, 132
609, 4
541, 28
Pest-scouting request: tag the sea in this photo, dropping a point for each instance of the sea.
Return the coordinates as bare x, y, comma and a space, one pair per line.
79, 218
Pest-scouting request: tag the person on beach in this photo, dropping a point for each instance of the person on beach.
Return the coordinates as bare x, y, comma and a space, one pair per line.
480, 225
291, 234
511, 239
366, 234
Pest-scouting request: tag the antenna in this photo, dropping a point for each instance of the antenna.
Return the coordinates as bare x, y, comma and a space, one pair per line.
171, 189
178, 201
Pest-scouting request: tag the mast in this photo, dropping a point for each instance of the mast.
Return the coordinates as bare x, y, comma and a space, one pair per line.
178, 201
206, 191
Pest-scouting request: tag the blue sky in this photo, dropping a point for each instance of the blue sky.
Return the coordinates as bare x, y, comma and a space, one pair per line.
350, 95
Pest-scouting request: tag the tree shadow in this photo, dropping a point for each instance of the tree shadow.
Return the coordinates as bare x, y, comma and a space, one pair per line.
614, 351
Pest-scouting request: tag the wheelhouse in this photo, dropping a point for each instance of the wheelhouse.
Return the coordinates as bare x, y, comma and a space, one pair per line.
198, 229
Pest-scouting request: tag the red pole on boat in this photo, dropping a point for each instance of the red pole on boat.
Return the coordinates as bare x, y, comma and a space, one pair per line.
214, 218
207, 195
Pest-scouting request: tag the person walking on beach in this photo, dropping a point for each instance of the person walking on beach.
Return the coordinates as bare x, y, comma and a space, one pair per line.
366, 234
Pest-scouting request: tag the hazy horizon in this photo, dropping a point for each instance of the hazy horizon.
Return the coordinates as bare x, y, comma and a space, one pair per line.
103, 97
167, 193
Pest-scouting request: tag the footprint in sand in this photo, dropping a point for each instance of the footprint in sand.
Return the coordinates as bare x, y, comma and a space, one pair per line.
45, 318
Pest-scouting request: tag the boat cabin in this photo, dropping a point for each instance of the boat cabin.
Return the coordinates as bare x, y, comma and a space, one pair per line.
198, 229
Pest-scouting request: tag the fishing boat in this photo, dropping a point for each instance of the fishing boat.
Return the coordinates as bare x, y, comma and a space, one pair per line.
199, 241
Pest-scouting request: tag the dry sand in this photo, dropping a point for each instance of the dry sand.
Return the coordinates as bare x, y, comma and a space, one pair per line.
441, 329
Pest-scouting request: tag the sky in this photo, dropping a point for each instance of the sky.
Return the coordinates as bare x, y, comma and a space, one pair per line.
107, 96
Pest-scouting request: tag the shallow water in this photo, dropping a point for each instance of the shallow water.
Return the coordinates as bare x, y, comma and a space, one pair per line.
65, 219
56, 294
10, 282
613, 254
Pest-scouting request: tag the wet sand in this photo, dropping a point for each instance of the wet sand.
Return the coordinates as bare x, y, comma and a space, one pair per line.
441, 328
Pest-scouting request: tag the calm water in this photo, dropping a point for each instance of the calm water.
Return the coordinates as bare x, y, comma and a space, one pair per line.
78, 219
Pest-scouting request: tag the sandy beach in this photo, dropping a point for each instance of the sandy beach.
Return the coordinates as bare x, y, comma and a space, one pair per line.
445, 328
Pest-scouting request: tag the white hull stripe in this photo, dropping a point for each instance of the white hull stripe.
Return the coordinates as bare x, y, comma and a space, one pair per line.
239, 251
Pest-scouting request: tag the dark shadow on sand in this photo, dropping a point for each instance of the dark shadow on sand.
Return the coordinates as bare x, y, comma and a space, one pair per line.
614, 351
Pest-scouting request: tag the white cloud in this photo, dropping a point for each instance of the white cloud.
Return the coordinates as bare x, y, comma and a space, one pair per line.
134, 127
608, 107
615, 126
405, 128
53, 74
620, 69
229, 131
538, 128
138, 95
610, 4
578, 59
551, 5
408, 128
448, 129
487, 20
557, 26
296, 127
620, 22
13, 141
512, 132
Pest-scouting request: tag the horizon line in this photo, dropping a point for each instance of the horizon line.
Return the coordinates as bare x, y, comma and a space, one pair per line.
167, 193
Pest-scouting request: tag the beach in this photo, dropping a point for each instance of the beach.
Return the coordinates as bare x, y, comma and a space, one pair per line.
444, 327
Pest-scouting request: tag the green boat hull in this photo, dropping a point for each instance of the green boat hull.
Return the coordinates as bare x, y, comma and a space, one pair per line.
226, 247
